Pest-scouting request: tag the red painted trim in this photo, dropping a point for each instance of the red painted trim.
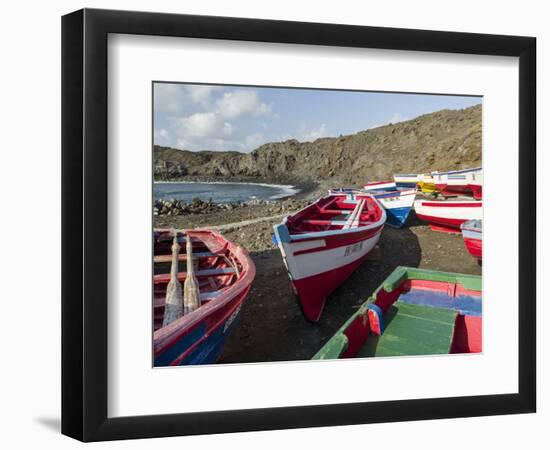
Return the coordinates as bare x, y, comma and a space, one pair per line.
444, 222
474, 247
340, 240
446, 204
357, 333
467, 336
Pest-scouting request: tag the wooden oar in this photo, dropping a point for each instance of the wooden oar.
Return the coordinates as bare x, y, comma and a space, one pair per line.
173, 305
191, 293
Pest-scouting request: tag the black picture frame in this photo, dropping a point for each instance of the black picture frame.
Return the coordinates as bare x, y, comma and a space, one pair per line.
84, 224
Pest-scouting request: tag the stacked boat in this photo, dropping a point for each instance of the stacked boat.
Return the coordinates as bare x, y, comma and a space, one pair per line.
462, 200
460, 182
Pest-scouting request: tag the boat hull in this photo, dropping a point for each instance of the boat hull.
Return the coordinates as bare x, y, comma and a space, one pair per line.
473, 238
427, 188
328, 269
398, 206
202, 345
448, 215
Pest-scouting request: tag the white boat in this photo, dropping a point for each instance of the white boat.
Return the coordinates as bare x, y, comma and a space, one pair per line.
325, 242
448, 215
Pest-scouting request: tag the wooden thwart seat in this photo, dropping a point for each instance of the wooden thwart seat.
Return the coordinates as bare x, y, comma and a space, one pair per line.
353, 220
165, 277
183, 256
330, 222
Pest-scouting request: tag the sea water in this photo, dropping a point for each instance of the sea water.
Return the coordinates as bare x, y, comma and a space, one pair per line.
220, 192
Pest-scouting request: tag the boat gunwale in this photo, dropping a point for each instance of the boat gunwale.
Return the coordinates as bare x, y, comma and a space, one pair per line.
328, 233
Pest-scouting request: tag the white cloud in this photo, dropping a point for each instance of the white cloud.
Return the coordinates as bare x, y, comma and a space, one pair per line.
234, 104
202, 94
201, 118
176, 98
199, 125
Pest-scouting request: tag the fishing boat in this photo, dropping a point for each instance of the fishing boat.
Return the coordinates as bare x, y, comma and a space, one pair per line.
472, 233
460, 182
413, 312
426, 184
223, 273
325, 242
408, 180
448, 215
397, 202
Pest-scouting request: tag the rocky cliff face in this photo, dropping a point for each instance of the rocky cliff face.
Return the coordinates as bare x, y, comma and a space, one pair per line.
444, 140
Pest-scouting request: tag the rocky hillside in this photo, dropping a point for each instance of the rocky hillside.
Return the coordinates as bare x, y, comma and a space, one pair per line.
444, 140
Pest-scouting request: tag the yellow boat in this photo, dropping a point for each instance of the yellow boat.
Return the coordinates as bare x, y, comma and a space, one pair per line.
427, 185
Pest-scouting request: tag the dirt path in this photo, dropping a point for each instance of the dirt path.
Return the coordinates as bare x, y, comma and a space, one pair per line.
243, 223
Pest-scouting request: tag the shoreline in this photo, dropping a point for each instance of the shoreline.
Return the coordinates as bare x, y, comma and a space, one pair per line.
288, 190
294, 188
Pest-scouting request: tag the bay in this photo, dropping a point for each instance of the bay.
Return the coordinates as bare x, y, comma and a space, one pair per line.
220, 192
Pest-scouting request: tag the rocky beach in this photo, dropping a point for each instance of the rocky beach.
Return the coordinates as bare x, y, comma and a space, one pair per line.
272, 327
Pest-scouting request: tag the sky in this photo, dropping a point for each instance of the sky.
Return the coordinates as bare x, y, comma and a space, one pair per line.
206, 117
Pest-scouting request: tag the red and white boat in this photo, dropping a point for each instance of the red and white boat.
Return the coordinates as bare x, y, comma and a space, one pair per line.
460, 182
325, 242
448, 215
472, 233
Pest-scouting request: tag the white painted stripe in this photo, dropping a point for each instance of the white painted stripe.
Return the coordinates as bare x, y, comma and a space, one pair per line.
456, 212
470, 234
308, 245
309, 264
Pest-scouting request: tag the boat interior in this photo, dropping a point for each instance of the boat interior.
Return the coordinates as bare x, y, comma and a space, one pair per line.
216, 267
419, 317
335, 212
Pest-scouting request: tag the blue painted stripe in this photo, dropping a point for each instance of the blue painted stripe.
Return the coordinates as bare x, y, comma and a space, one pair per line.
464, 304
180, 346
379, 317
212, 348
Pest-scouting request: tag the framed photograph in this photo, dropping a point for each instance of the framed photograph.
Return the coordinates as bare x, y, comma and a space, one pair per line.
273, 224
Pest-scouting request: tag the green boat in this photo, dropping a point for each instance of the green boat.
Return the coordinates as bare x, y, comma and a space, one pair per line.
413, 312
